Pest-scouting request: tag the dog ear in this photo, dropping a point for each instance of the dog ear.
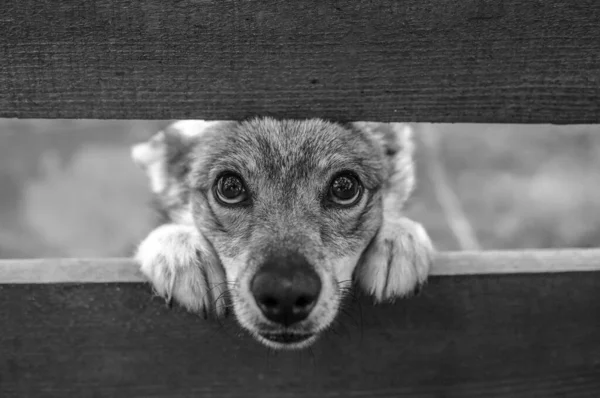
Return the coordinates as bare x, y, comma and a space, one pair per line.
148, 152
401, 180
397, 145
165, 157
151, 157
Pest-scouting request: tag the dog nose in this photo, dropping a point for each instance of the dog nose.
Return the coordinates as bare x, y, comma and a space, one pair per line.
286, 289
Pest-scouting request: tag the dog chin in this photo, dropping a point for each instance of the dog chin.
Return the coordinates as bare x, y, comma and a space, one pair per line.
286, 340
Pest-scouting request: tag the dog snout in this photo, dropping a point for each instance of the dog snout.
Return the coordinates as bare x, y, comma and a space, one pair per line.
286, 289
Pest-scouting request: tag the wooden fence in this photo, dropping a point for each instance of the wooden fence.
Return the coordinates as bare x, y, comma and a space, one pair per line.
514, 324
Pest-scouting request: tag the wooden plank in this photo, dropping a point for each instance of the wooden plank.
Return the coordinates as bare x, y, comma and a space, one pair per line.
516, 61
463, 336
123, 270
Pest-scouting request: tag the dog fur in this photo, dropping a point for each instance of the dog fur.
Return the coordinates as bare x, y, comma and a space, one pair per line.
206, 255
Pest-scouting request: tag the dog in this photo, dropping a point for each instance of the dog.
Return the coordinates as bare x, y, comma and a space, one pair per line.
278, 218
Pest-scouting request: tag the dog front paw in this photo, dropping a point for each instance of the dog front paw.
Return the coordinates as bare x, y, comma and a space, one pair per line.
182, 266
397, 261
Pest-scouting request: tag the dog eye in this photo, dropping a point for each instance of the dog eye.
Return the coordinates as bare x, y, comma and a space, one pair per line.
345, 189
230, 189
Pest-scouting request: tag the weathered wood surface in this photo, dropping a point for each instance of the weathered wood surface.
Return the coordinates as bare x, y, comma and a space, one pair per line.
100, 270
515, 61
463, 336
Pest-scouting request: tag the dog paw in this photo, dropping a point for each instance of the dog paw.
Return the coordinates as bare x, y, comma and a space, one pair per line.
397, 261
182, 267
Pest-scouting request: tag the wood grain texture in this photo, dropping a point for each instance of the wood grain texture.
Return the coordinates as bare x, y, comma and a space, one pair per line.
464, 336
516, 61
123, 270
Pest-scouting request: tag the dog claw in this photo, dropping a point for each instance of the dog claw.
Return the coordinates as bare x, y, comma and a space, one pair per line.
404, 246
418, 289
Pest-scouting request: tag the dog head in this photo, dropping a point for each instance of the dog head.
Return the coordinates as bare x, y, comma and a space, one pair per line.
288, 206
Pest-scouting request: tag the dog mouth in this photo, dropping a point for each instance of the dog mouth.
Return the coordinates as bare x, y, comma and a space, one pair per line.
287, 339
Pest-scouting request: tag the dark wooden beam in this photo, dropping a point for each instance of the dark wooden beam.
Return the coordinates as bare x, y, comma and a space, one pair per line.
516, 61
463, 336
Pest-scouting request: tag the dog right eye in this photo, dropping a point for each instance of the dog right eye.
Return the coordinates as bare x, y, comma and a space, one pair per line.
230, 189
345, 190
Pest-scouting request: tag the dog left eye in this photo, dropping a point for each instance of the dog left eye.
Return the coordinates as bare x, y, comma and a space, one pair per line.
230, 189
345, 189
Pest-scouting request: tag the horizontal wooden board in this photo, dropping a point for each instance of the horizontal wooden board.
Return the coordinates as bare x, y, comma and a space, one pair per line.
517, 61
100, 270
462, 336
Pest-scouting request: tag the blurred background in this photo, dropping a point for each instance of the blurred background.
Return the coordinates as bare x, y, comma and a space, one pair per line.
69, 189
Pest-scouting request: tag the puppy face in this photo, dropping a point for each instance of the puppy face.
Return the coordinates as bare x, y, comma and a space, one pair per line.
289, 207
293, 202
